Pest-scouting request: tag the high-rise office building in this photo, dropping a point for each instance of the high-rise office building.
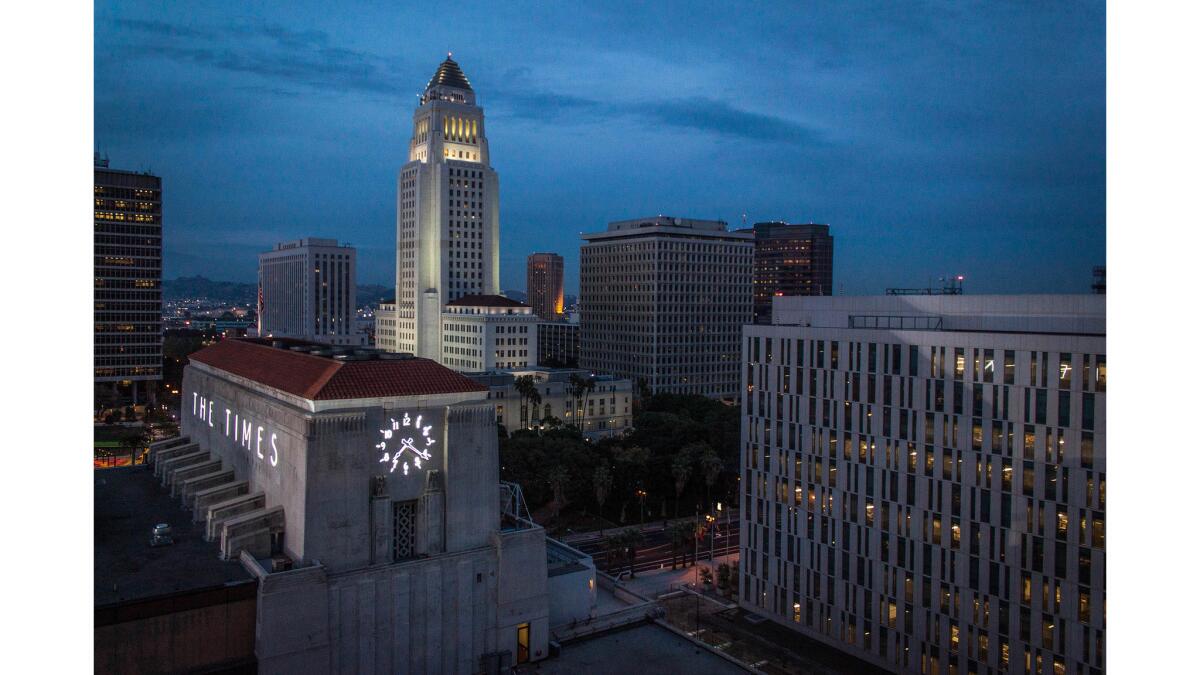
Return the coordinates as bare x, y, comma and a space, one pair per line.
127, 291
544, 283
448, 214
664, 300
790, 260
923, 479
308, 292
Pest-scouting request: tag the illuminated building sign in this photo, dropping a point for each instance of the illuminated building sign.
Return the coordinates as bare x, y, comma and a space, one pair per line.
406, 443
242, 430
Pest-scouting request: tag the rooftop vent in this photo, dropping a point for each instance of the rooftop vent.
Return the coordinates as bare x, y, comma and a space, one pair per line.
395, 356
161, 536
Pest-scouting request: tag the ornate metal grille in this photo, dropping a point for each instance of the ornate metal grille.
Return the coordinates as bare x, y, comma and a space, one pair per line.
404, 529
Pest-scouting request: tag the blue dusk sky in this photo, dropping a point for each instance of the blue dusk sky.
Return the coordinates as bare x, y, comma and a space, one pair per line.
933, 137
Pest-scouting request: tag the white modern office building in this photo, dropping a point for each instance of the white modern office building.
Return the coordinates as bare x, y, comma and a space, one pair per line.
484, 332
308, 292
663, 300
924, 479
447, 215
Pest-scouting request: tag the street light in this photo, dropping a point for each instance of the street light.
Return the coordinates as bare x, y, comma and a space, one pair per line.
712, 536
642, 505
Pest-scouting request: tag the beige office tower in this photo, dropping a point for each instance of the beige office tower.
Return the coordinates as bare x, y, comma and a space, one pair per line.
447, 215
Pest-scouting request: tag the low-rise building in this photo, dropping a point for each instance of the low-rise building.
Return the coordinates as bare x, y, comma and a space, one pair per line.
485, 332
601, 410
358, 492
385, 326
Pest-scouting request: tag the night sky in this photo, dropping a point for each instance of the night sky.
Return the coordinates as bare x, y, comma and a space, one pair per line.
933, 138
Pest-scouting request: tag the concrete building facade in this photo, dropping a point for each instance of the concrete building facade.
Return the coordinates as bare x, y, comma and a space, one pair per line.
447, 214
924, 479
544, 284
663, 300
558, 344
362, 493
483, 332
308, 292
606, 409
127, 289
794, 259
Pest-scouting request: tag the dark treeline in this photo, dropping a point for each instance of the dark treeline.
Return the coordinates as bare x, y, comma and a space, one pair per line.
682, 454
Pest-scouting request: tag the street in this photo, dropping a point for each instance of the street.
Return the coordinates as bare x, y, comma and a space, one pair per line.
655, 550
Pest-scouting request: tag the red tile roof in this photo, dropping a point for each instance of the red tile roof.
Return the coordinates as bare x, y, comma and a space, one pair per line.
485, 301
319, 378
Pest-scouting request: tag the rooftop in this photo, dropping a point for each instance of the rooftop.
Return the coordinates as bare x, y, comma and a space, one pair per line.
641, 648
503, 377
1082, 314
449, 75
667, 221
671, 227
485, 301
562, 559
129, 502
320, 372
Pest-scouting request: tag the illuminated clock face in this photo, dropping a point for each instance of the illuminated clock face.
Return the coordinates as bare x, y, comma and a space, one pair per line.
405, 444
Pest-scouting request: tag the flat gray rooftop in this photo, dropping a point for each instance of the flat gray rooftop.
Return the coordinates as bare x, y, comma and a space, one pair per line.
643, 648
129, 502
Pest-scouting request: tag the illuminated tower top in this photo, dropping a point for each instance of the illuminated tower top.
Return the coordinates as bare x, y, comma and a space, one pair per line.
448, 125
449, 83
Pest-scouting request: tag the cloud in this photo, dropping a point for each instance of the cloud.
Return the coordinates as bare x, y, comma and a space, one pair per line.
305, 58
718, 117
269, 51
689, 114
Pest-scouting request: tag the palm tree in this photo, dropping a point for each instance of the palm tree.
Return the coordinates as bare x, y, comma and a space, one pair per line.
678, 533
612, 545
681, 468
558, 478
527, 388
632, 538
711, 467
580, 387
602, 483
575, 389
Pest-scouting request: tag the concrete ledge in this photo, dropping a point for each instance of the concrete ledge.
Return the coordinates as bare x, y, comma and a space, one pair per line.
159, 446
189, 487
701, 643
178, 476
251, 532
167, 467
567, 632
215, 495
161, 458
221, 511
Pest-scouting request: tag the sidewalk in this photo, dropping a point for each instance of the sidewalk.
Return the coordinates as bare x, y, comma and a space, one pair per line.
650, 526
652, 584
